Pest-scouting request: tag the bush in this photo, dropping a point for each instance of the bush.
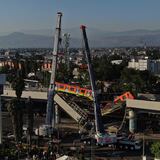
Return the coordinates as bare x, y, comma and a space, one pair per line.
155, 149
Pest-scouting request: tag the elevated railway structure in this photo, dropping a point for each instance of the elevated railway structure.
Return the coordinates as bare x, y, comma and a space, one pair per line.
143, 105
78, 112
67, 89
83, 92
130, 103
70, 107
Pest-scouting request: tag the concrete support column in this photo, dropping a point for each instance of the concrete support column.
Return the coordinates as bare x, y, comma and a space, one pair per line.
57, 114
132, 121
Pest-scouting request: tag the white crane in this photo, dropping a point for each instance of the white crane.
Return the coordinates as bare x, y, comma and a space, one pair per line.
50, 117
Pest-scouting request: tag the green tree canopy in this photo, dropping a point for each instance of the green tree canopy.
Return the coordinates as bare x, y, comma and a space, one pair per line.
105, 70
18, 85
155, 149
14, 108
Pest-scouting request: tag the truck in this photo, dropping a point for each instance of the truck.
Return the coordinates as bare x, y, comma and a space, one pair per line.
47, 128
123, 143
131, 144
100, 135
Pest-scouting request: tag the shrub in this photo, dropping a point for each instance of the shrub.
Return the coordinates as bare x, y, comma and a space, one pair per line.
155, 149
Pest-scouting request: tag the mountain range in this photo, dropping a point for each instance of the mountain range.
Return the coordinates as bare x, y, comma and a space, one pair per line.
97, 38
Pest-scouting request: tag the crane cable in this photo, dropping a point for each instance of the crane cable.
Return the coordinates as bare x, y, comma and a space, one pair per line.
123, 121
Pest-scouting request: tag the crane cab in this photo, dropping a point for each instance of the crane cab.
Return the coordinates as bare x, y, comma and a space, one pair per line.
105, 139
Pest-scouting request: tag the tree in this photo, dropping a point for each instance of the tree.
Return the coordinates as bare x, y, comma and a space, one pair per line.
27, 66
16, 61
105, 70
45, 78
131, 80
4, 69
14, 108
18, 85
63, 74
30, 119
155, 149
154, 54
83, 77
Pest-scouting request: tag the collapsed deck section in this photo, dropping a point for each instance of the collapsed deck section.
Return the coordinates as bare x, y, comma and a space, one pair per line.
70, 107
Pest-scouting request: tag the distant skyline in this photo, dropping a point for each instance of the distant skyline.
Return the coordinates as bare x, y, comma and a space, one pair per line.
106, 15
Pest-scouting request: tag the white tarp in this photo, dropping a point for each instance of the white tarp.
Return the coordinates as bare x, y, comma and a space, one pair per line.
63, 158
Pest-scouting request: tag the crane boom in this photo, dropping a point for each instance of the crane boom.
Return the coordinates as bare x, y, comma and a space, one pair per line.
51, 90
97, 112
101, 137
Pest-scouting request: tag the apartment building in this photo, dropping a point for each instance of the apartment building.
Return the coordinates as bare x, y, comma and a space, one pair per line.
145, 64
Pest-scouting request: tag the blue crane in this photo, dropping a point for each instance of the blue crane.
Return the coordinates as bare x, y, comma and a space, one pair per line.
101, 136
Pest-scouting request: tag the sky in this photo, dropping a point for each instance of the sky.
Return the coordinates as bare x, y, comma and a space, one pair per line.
107, 15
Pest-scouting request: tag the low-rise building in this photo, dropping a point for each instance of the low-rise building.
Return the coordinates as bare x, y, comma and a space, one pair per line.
145, 64
140, 64
119, 61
